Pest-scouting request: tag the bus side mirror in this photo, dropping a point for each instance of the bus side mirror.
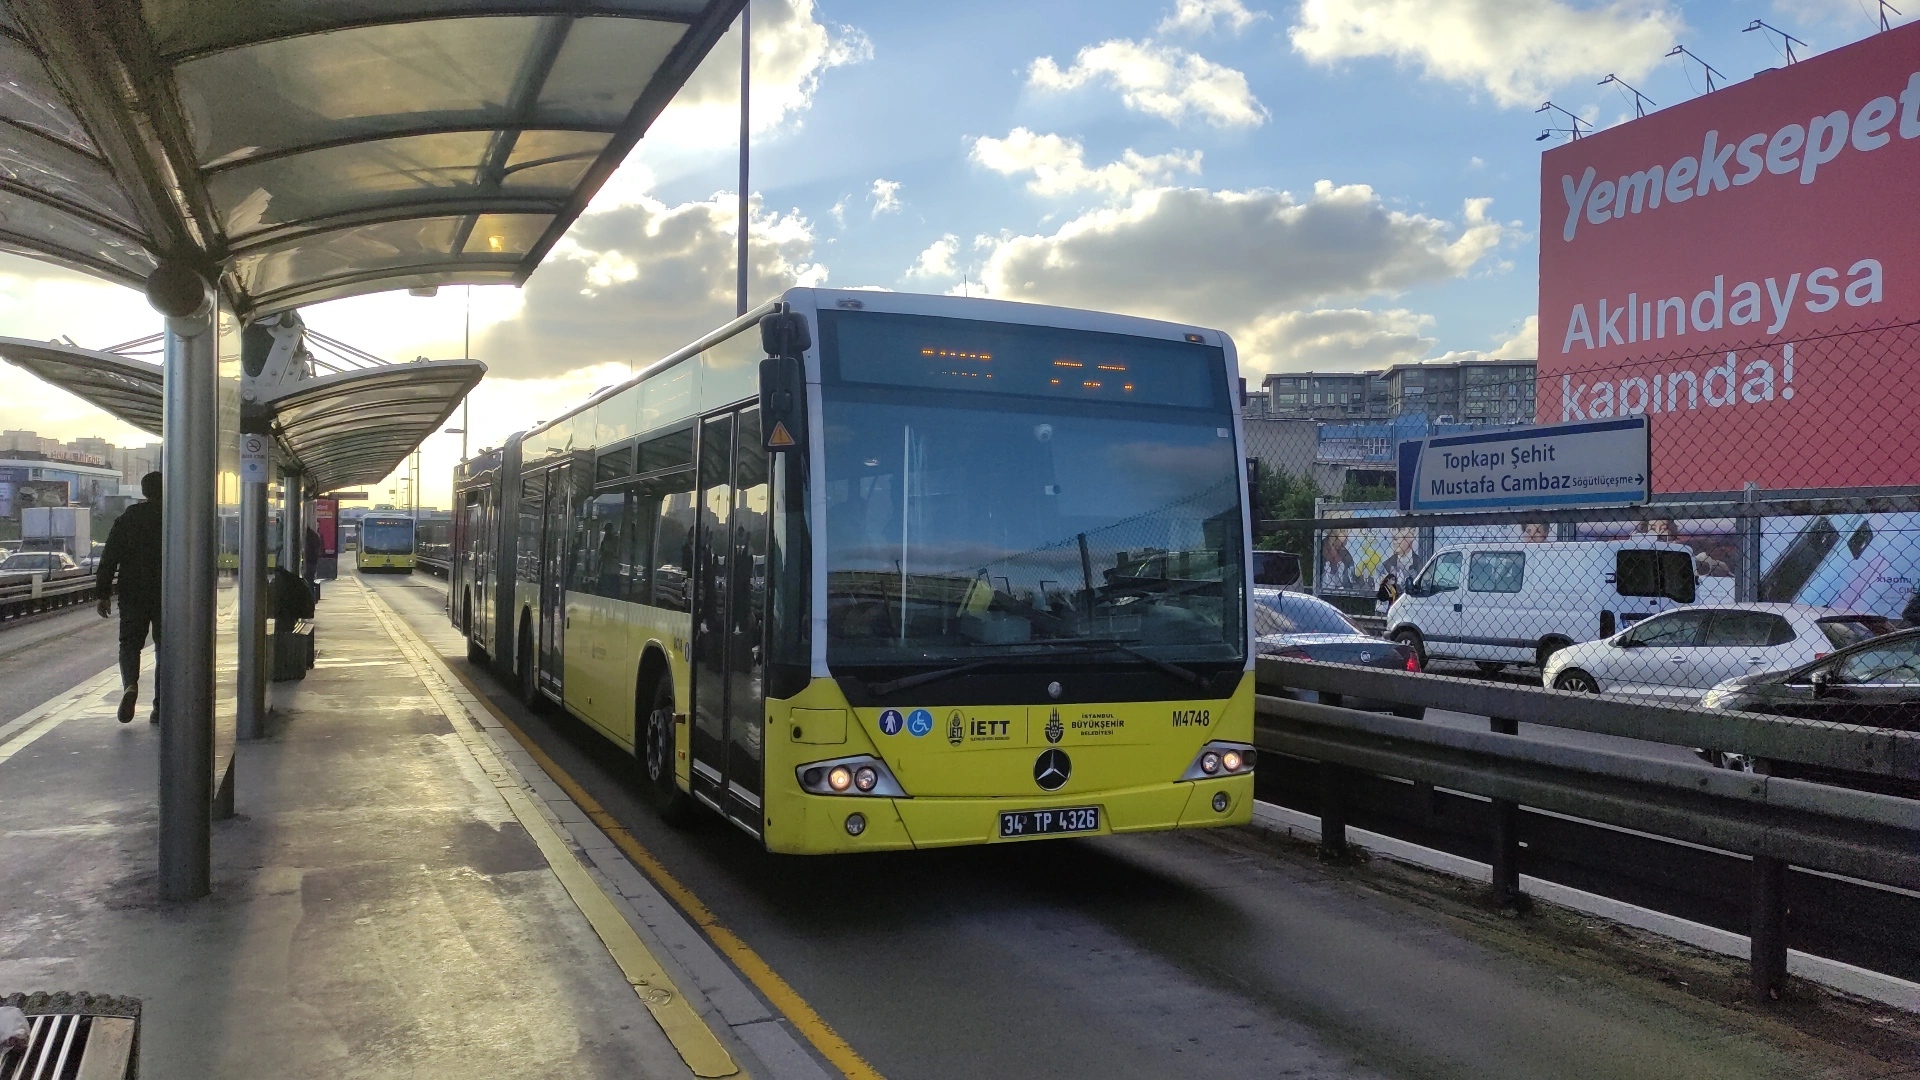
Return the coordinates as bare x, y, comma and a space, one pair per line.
783, 401
785, 333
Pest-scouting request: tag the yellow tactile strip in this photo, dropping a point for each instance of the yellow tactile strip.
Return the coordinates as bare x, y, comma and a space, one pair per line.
691, 1037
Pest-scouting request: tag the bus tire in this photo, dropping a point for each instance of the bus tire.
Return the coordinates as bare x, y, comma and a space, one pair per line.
656, 751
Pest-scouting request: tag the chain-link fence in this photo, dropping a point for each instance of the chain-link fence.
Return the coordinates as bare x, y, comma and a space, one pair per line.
1771, 572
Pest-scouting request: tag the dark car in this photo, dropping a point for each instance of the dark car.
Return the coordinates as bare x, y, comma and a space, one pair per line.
22, 567
1276, 568
1301, 627
1873, 683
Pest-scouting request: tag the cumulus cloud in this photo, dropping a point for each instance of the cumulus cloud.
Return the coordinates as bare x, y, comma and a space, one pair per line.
1332, 339
1231, 257
886, 197
1059, 165
937, 260
792, 49
630, 285
1515, 52
1159, 80
1204, 16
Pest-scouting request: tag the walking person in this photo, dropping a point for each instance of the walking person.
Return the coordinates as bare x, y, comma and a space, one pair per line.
133, 556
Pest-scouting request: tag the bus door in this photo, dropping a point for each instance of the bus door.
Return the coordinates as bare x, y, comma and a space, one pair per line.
553, 574
729, 588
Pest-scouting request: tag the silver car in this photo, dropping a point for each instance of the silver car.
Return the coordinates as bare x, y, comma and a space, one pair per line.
1677, 655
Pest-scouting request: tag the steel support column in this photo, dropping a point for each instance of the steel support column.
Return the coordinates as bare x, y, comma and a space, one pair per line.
1505, 857
1334, 781
250, 717
1767, 929
189, 557
291, 530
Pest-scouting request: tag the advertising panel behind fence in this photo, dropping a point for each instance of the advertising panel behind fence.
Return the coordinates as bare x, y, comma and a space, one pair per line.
1744, 269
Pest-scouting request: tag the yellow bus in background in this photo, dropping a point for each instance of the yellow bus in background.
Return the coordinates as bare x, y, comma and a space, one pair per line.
864, 571
386, 544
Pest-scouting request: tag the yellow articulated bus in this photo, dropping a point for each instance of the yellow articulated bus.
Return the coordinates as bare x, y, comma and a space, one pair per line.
864, 571
386, 544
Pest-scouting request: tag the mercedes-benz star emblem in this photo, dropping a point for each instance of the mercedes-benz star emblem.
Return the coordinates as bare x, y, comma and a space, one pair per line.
1052, 769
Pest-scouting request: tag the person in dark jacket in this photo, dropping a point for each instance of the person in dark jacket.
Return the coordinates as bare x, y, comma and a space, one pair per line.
1912, 611
133, 558
310, 565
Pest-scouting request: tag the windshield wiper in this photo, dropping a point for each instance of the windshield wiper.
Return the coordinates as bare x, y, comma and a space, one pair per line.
1066, 647
1173, 669
908, 682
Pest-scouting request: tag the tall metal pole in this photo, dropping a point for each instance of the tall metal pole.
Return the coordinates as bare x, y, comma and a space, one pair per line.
250, 716
466, 353
289, 522
189, 559
746, 81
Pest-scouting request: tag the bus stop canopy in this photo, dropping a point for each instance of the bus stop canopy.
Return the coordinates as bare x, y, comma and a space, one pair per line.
342, 428
123, 386
306, 150
355, 427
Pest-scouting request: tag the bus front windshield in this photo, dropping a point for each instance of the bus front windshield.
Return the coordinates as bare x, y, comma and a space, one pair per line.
999, 491
386, 536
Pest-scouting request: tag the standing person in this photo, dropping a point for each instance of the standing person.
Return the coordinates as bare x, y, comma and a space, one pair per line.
1388, 593
1911, 612
310, 563
133, 555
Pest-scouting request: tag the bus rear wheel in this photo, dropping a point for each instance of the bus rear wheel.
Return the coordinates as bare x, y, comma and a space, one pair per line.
656, 753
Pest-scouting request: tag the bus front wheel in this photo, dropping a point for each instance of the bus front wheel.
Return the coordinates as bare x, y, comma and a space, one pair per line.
656, 758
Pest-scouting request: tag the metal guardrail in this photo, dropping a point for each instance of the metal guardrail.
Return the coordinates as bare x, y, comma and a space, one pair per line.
1875, 751
44, 594
1777, 822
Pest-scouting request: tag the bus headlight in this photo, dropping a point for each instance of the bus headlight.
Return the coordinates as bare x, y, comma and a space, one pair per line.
860, 775
1218, 759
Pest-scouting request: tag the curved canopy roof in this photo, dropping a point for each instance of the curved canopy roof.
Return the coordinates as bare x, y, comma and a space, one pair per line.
314, 149
344, 429
356, 427
127, 388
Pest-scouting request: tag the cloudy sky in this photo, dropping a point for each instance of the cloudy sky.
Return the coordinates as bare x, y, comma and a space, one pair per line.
1338, 183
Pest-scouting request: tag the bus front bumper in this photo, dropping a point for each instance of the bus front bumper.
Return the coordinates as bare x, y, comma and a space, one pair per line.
800, 823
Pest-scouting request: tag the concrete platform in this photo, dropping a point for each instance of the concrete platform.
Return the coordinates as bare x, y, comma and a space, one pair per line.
382, 905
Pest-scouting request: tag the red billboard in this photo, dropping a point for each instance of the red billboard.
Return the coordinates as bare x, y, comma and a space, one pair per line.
1744, 270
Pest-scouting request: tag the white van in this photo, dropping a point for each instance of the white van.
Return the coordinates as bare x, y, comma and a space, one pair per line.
1515, 603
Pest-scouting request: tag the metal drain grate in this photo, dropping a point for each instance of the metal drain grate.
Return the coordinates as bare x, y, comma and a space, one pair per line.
70, 1038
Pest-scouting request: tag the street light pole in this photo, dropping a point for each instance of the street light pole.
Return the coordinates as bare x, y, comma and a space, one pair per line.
466, 353
746, 78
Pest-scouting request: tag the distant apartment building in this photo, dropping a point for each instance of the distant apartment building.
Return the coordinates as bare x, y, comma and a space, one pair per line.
1471, 392
131, 462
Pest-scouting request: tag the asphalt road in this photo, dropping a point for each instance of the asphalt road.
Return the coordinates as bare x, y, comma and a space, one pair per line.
50, 654
1193, 955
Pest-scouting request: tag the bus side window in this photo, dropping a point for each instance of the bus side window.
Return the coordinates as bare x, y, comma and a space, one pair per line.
643, 517
609, 536
673, 546
533, 492
586, 546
